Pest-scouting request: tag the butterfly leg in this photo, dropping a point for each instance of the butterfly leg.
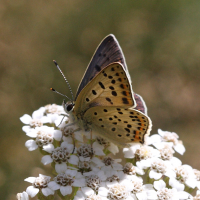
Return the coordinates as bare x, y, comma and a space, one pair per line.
61, 120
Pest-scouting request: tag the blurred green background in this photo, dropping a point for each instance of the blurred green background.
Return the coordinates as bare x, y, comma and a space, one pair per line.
161, 43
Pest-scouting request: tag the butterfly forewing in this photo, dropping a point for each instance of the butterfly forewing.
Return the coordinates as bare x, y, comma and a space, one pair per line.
110, 87
109, 51
119, 125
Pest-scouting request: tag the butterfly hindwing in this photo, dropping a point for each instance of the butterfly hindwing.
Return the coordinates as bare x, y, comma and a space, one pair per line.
119, 125
141, 106
109, 51
110, 87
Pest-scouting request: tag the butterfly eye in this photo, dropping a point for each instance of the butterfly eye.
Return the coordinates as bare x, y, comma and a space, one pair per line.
69, 107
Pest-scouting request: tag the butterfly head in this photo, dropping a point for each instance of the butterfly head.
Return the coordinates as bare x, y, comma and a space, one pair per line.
68, 106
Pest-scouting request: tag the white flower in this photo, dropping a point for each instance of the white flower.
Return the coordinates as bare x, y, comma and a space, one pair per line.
54, 109
164, 137
60, 155
87, 157
65, 181
97, 172
184, 175
165, 193
22, 196
130, 169
86, 150
37, 119
55, 113
109, 164
43, 135
145, 155
38, 183
89, 194
71, 132
160, 168
104, 144
116, 189
130, 152
143, 192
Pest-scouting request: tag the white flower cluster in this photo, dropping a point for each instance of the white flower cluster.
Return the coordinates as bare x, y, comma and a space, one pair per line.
86, 169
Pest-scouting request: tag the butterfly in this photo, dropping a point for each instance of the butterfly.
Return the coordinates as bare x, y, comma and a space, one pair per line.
105, 102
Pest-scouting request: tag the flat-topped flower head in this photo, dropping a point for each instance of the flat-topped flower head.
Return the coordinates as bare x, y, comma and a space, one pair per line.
39, 184
65, 181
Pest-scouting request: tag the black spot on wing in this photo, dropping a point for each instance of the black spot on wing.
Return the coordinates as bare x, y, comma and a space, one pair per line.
111, 87
109, 100
125, 101
101, 85
113, 81
94, 92
114, 93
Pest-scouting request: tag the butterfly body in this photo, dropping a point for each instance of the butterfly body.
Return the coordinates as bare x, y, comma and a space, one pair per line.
105, 102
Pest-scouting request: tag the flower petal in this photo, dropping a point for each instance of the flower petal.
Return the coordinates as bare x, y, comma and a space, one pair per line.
22, 196
158, 185
155, 175
73, 160
32, 191
25, 119
48, 148
65, 190
87, 191
31, 145
53, 185
61, 168
30, 179
57, 134
46, 159
179, 148
47, 191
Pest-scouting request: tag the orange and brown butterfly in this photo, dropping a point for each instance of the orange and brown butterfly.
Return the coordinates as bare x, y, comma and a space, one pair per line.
105, 102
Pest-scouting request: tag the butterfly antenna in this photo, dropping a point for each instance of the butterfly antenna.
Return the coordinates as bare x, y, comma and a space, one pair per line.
60, 93
70, 89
